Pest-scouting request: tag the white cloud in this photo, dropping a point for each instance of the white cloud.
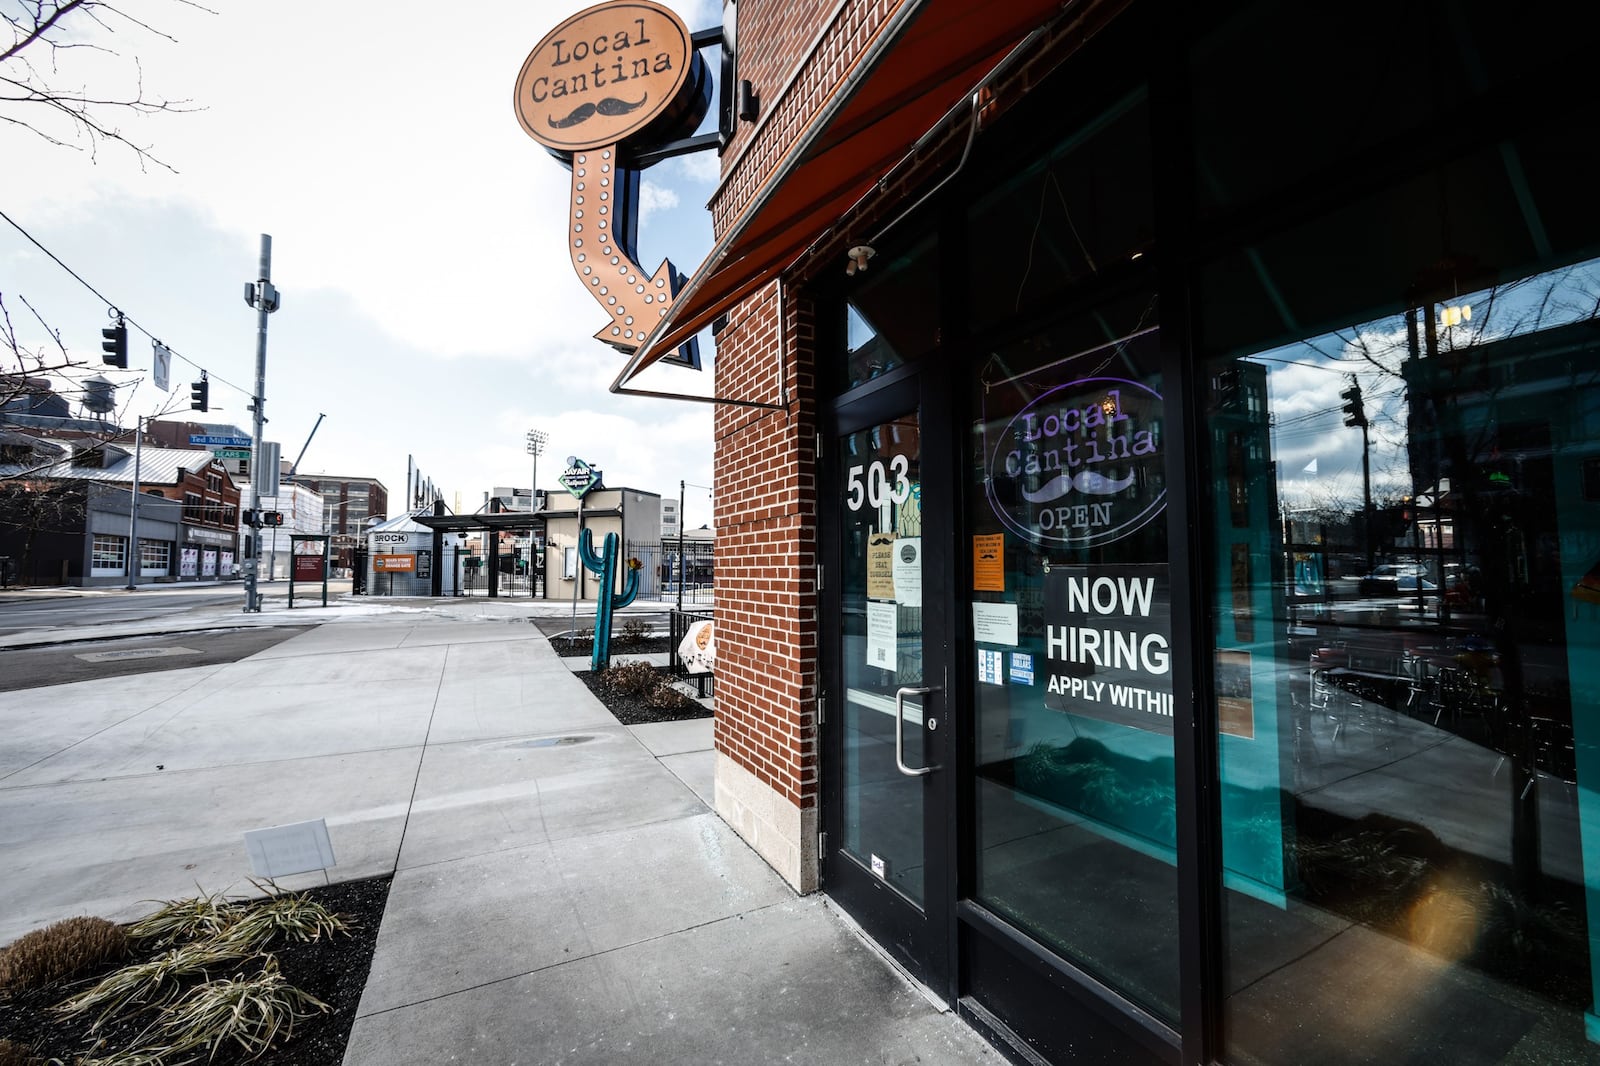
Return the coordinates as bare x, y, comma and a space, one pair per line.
654, 198
702, 167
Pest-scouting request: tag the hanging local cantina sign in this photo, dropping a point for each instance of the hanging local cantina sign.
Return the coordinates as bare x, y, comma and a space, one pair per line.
609, 82
1080, 465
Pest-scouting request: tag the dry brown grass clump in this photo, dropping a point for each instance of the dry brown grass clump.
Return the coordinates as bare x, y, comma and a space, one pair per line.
629, 679
669, 697
640, 679
61, 951
14, 1054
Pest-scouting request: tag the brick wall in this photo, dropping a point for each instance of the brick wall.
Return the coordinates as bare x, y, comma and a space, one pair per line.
797, 55
766, 551
775, 38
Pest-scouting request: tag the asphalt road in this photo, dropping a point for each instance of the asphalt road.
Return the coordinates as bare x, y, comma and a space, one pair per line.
36, 611
59, 664
46, 612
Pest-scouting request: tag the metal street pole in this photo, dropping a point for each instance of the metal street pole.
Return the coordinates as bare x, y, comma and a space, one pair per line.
264, 298
536, 442
681, 570
135, 563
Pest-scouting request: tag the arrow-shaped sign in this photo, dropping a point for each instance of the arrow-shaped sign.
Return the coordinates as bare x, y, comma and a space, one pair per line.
602, 247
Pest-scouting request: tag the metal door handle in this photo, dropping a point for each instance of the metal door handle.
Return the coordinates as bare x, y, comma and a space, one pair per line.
900, 730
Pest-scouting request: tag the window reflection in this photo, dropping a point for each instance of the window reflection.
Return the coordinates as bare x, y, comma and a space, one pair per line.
887, 320
1071, 622
1407, 607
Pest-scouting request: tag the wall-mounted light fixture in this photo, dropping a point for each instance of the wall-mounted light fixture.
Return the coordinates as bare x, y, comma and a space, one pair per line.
749, 102
858, 258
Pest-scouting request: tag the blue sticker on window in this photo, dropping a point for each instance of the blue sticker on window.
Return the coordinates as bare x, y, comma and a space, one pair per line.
991, 667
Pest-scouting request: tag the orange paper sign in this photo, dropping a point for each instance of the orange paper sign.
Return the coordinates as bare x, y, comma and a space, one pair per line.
989, 562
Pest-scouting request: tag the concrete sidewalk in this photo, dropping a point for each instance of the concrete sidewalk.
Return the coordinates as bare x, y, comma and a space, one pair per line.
562, 892
341, 609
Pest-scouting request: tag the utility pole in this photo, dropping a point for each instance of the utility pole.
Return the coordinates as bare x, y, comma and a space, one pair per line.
536, 442
135, 563
681, 570
264, 298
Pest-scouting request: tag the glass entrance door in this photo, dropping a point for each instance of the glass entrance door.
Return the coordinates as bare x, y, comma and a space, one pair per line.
884, 859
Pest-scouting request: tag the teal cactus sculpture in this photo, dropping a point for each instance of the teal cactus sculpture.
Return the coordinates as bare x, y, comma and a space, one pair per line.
605, 565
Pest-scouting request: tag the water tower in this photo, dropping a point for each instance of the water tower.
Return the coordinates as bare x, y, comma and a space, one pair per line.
99, 395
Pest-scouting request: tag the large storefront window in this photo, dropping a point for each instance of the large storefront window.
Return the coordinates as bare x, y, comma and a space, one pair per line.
155, 558
1073, 686
109, 556
1407, 618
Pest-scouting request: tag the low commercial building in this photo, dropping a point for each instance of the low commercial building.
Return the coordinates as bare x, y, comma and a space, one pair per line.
65, 512
634, 515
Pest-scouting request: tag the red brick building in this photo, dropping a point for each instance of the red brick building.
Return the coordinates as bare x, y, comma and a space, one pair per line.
1094, 380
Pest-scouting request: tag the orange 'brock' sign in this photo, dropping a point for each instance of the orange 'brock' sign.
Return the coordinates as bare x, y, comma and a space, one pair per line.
603, 75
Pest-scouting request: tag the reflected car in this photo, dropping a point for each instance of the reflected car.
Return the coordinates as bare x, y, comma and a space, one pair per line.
1393, 579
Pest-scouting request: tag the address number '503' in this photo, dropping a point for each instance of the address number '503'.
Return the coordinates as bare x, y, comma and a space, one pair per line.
870, 484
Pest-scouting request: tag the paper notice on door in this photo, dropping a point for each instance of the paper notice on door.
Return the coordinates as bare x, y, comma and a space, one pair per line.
880, 566
989, 562
995, 623
883, 637
908, 571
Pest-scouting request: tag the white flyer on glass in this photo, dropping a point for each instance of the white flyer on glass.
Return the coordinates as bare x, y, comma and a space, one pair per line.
908, 571
995, 623
882, 635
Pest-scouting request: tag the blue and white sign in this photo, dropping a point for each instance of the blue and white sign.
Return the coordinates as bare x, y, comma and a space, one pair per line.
991, 667
219, 440
1021, 668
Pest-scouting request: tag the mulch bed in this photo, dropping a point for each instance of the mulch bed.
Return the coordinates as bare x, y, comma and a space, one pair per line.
334, 969
631, 709
568, 647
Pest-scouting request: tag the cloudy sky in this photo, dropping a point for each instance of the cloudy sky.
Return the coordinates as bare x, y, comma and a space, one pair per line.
429, 307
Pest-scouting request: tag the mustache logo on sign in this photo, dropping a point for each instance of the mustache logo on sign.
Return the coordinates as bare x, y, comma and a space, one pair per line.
584, 112
1085, 481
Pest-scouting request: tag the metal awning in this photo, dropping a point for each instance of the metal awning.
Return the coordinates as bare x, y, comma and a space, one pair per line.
929, 56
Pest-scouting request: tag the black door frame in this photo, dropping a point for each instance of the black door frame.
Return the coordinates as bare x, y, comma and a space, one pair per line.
923, 945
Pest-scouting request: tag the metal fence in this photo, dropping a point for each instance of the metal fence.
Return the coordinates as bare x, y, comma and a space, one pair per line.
679, 623
664, 570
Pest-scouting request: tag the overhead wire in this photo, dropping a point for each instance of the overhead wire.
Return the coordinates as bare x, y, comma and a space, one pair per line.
122, 315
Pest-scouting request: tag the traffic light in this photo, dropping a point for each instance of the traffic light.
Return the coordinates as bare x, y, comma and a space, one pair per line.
200, 393
1355, 412
272, 518
114, 348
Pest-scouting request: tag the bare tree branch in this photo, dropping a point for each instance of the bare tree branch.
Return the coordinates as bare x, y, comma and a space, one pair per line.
38, 95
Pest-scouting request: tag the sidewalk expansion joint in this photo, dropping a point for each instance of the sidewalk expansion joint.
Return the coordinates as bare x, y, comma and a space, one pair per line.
740, 916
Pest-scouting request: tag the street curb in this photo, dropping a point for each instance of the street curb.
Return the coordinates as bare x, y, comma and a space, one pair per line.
55, 640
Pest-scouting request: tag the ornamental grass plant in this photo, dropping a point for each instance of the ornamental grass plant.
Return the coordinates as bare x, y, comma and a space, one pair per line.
251, 1010
180, 921
151, 983
201, 980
